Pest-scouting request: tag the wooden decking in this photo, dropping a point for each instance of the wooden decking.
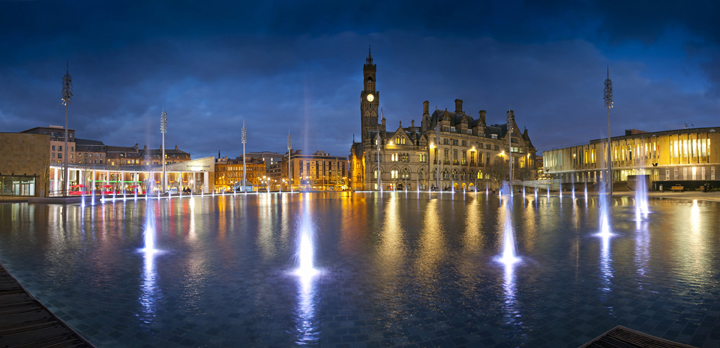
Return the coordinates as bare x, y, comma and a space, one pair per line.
26, 323
622, 337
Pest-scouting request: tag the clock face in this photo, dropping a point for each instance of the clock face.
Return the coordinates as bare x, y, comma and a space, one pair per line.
370, 97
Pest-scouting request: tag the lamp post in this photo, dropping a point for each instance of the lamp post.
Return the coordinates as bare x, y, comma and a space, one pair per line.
244, 140
163, 130
67, 96
609, 104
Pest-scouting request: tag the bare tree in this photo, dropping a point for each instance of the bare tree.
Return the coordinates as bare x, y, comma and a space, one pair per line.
497, 171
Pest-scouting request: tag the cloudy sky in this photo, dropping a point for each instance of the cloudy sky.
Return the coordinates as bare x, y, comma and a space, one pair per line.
297, 66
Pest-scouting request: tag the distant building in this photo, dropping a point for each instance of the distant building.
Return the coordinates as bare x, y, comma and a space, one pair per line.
318, 171
90, 151
268, 157
229, 173
689, 157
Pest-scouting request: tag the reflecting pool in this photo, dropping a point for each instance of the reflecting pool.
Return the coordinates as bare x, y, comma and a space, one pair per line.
381, 270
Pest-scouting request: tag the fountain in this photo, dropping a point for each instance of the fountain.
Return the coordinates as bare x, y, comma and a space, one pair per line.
585, 191
641, 198
548, 193
82, 198
509, 254
573, 187
306, 252
136, 191
604, 202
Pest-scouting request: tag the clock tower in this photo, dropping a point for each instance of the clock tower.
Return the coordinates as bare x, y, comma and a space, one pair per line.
370, 98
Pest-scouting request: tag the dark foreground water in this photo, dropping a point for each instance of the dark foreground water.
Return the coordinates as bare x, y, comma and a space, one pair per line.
394, 270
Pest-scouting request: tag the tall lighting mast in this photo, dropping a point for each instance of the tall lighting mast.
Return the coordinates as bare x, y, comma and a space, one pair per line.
67, 96
609, 104
244, 140
163, 130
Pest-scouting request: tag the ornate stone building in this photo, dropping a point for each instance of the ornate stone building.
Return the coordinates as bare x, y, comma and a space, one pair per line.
448, 149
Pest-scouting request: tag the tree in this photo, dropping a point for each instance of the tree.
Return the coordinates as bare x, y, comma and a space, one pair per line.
497, 171
46, 176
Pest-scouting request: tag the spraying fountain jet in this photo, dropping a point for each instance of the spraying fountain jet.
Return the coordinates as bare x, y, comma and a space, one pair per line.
604, 214
306, 251
509, 253
641, 198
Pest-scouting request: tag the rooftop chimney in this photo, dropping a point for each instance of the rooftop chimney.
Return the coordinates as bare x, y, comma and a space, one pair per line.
482, 118
426, 107
458, 106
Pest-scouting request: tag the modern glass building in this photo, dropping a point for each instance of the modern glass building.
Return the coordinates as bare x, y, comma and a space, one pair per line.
687, 157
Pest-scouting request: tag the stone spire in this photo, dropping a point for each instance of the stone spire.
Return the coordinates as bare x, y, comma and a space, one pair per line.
369, 60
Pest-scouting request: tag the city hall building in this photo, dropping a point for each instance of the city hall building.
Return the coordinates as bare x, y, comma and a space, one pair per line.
688, 157
449, 148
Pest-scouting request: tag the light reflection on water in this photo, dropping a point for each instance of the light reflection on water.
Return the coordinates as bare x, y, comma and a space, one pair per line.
392, 266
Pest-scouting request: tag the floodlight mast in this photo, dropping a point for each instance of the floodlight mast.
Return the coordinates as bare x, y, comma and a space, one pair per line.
608, 95
244, 140
66, 99
163, 130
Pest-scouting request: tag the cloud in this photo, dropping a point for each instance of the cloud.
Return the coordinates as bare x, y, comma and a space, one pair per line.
297, 66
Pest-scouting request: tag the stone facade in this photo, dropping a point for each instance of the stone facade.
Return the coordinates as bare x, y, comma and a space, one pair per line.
26, 155
448, 149
57, 141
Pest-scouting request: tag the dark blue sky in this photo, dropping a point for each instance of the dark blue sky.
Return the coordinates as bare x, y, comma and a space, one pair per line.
297, 66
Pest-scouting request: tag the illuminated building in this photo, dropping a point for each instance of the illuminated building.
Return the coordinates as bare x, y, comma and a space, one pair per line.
449, 149
685, 156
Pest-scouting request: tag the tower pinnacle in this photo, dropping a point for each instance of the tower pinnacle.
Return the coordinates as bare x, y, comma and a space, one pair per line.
369, 60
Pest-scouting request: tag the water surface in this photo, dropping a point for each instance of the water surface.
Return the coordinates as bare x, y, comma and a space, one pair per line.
393, 269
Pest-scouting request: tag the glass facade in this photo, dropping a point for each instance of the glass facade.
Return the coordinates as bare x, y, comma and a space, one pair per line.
17, 186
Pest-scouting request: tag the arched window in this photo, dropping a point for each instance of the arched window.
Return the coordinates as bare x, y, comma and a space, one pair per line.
446, 175
406, 173
421, 174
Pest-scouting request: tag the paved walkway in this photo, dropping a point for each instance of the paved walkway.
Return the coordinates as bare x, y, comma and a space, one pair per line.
24, 322
690, 195
622, 337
